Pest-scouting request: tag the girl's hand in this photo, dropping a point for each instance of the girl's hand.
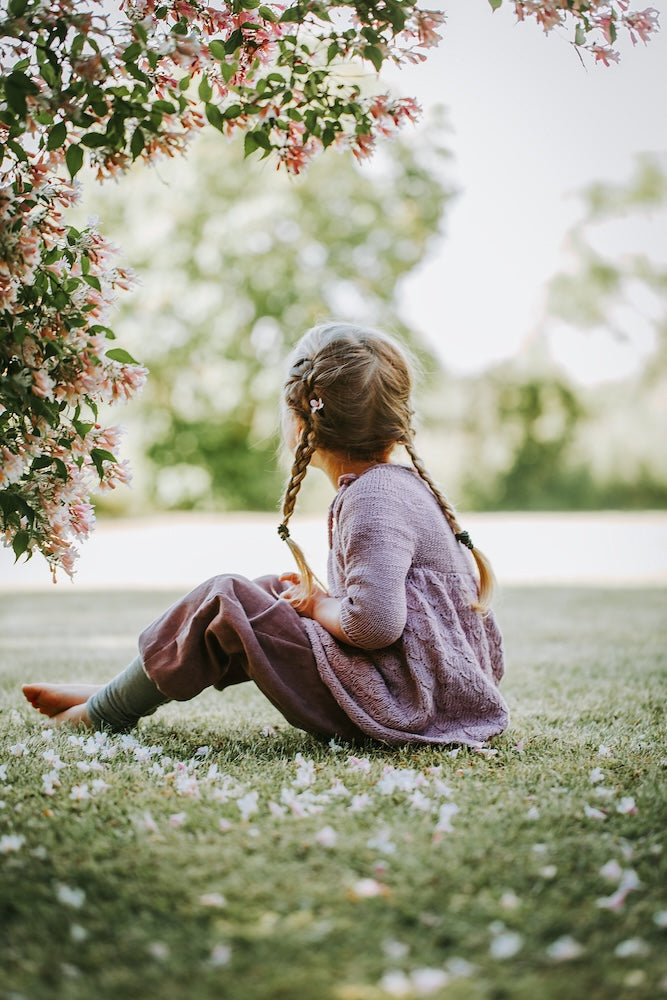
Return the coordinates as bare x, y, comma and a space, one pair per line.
319, 606
304, 605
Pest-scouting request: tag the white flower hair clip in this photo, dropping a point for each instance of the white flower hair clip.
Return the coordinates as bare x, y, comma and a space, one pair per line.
316, 404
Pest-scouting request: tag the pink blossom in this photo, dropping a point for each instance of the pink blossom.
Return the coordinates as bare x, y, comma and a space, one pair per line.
641, 24
11, 468
42, 384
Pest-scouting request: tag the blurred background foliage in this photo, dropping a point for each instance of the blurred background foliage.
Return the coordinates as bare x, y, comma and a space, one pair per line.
235, 261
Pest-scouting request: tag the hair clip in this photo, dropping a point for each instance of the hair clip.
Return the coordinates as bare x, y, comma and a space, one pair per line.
316, 404
283, 531
464, 538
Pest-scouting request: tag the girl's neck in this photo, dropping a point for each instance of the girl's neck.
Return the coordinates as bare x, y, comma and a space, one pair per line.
335, 465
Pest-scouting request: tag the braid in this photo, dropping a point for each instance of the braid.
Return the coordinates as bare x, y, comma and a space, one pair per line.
486, 580
302, 456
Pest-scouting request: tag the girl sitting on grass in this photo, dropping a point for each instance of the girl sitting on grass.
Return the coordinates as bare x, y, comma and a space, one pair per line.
401, 648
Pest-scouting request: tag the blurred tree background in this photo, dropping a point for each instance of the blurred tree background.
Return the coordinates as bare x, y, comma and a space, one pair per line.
236, 261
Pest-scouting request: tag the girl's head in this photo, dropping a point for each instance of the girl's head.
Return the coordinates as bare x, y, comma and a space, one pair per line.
348, 393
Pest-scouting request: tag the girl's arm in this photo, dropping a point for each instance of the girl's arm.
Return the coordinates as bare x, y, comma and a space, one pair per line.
321, 608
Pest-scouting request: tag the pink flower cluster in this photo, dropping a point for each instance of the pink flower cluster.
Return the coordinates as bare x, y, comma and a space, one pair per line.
592, 18
56, 288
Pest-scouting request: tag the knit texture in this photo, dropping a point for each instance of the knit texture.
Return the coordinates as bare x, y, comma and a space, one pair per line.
421, 665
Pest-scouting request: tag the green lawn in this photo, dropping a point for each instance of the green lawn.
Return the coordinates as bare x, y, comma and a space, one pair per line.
220, 853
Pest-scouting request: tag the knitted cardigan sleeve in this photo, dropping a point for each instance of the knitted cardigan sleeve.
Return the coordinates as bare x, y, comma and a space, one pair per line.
375, 545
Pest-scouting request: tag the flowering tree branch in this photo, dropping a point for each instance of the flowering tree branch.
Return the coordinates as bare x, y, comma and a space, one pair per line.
77, 85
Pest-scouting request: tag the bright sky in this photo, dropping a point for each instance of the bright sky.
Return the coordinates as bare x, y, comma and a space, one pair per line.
531, 128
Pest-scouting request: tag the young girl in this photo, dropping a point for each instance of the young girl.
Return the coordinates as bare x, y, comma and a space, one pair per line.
401, 648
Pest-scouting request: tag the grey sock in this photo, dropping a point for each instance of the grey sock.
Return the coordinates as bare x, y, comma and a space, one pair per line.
124, 700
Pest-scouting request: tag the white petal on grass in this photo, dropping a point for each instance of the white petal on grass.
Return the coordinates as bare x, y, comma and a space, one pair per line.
632, 948
305, 773
506, 944
396, 984
612, 871
382, 841
78, 933
158, 950
326, 837
548, 871
427, 981
460, 968
178, 819
220, 955
660, 918
367, 888
592, 813
358, 763
565, 949
359, 802
214, 900
70, 896
11, 842
396, 950
248, 805
627, 806
509, 900
604, 751
533, 813
446, 814
596, 776
18, 749
79, 793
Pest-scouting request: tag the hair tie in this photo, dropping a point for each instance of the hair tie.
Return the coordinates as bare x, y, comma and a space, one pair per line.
283, 531
464, 538
316, 404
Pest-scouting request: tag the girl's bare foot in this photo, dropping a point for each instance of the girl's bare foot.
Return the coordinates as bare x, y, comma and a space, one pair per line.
74, 716
57, 700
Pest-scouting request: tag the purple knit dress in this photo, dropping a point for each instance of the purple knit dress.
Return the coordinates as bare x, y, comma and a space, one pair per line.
422, 665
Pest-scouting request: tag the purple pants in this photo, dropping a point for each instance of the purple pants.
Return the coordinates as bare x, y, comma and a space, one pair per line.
229, 630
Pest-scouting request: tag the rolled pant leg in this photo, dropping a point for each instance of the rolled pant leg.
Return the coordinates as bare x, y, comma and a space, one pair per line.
124, 700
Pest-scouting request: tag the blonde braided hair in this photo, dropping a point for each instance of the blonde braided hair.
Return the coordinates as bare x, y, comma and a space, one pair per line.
486, 577
350, 389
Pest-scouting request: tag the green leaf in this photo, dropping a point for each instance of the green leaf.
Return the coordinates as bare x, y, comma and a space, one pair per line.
94, 139
131, 52
294, 15
234, 42
57, 136
249, 144
20, 543
98, 457
17, 7
118, 354
228, 69
579, 35
74, 159
217, 49
214, 116
137, 143
495, 4
374, 55
262, 139
164, 107
205, 90
267, 13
